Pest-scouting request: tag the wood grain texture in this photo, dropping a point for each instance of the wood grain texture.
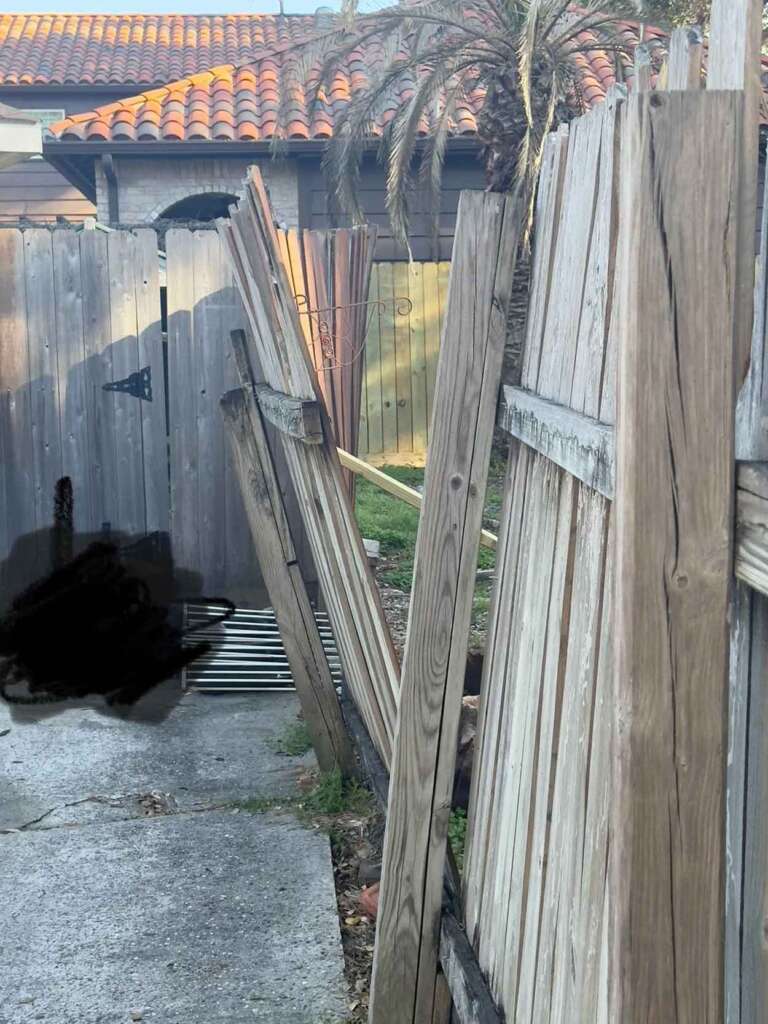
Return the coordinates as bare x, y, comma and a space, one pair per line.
677, 268
752, 406
734, 62
45, 450
277, 343
277, 559
17, 514
126, 410
149, 331
686, 47
751, 561
295, 416
578, 443
446, 559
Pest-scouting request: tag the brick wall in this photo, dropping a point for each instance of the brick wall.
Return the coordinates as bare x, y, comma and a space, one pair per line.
148, 186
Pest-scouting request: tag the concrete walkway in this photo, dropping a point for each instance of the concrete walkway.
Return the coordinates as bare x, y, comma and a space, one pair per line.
133, 892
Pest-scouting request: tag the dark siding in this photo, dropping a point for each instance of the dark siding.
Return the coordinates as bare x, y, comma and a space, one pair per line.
318, 211
35, 190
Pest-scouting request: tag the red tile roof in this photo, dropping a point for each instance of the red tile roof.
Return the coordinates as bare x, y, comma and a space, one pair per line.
270, 94
141, 49
249, 103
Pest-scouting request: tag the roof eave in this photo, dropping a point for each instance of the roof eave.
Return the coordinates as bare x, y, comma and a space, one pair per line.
288, 147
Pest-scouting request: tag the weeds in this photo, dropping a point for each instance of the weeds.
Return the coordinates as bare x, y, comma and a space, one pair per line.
336, 795
457, 835
294, 741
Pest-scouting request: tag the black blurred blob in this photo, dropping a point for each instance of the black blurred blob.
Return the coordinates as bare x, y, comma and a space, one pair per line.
92, 626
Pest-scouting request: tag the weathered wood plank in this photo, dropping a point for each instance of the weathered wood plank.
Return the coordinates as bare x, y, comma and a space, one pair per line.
45, 452
149, 331
469, 992
295, 416
581, 445
98, 370
737, 770
754, 980
686, 48
17, 517
126, 410
734, 62
276, 342
72, 393
751, 562
277, 559
673, 513
751, 418
182, 400
435, 658
388, 352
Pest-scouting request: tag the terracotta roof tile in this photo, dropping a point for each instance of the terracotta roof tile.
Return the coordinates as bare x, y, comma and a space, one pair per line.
245, 100
141, 49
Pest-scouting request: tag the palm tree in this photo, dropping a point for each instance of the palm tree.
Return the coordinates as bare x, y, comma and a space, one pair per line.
514, 61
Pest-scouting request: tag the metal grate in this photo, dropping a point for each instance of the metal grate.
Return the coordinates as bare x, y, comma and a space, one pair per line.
247, 652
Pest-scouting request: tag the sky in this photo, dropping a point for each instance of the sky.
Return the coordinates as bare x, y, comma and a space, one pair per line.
168, 6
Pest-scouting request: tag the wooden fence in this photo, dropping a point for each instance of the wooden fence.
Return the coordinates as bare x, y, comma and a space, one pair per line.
83, 394
401, 359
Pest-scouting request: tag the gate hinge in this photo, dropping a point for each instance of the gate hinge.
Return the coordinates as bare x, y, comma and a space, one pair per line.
138, 385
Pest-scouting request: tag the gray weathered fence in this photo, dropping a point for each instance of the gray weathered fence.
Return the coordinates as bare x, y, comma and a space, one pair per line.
83, 394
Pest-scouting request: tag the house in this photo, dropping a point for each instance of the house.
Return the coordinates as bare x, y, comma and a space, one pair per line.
157, 117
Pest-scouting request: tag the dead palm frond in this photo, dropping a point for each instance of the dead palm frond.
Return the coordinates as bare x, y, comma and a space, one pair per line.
512, 63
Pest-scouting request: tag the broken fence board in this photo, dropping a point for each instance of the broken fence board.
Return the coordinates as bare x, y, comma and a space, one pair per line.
278, 344
434, 664
295, 416
277, 558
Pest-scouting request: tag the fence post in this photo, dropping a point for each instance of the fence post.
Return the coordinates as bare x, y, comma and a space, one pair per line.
674, 525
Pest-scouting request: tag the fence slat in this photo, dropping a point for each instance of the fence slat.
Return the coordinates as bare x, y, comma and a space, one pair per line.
72, 393
674, 530
16, 482
45, 453
434, 664
418, 357
98, 370
149, 333
131, 500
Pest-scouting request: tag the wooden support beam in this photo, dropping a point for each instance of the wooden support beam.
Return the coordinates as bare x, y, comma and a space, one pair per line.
397, 489
471, 997
469, 371
673, 514
686, 47
272, 540
734, 62
298, 417
577, 443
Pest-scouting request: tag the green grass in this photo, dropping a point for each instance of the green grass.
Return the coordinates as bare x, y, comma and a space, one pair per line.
331, 795
394, 524
457, 835
294, 741
335, 795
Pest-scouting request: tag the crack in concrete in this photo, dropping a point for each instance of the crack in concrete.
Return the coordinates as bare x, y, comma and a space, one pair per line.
170, 812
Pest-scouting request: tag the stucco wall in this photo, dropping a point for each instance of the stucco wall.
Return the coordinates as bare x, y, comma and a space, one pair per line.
148, 186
